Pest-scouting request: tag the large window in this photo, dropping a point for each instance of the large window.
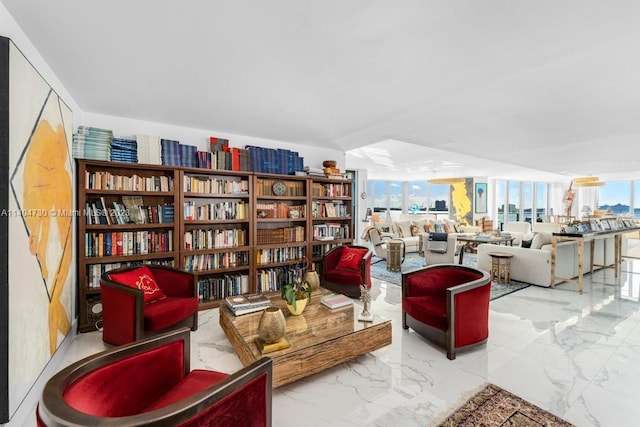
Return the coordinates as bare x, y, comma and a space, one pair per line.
395, 196
417, 196
501, 195
514, 201
527, 201
541, 202
615, 195
636, 199
378, 194
439, 198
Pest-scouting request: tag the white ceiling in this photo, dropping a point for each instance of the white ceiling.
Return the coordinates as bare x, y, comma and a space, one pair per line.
550, 86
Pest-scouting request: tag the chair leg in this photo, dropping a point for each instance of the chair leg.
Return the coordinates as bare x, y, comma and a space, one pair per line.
451, 355
404, 320
381, 259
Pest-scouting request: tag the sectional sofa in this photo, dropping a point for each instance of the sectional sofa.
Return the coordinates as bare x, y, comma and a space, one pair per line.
533, 264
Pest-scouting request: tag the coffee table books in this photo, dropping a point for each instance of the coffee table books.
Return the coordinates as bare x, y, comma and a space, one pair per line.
245, 304
336, 301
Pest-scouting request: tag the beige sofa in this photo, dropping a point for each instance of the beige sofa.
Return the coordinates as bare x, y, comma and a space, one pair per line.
533, 265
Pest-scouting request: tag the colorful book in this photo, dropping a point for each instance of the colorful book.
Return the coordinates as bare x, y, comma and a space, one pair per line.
336, 301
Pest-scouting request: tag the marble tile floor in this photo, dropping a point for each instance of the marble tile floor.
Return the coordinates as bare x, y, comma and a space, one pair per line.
577, 356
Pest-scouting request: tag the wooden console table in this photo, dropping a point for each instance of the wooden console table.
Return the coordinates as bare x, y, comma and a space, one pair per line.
580, 239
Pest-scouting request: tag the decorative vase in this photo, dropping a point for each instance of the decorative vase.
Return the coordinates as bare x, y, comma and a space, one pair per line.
570, 229
312, 277
300, 305
272, 325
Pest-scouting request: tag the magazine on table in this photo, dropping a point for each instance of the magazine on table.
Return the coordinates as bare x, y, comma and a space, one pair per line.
336, 301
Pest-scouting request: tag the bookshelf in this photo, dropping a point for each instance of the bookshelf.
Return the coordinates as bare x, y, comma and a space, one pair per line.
331, 215
280, 221
215, 232
126, 215
238, 232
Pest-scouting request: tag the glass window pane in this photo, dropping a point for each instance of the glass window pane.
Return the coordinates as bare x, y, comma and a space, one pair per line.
395, 196
527, 201
501, 189
541, 201
615, 195
636, 198
439, 198
514, 201
379, 196
417, 197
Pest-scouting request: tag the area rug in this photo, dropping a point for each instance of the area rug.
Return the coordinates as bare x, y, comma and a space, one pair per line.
413, 261
494, 406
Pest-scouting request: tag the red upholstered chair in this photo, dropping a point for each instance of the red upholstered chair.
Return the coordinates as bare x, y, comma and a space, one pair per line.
149, 383
133, 308
448, 304
345, 268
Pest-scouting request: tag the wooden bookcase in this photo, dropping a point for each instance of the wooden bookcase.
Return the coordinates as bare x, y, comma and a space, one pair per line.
230, 228
215, 232
281, 226
107, 235
331, 215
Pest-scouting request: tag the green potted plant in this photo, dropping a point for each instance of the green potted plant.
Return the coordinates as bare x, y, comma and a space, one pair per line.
296, 295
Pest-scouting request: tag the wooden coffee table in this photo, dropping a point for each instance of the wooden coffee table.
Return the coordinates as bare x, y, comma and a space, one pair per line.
320, 338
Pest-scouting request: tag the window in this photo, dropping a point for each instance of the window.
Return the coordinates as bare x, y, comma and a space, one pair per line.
541, 202
417, 196
514, 201
615, 195
527, 201
378, 194
501, 194
395, 196
439, 198
636, 199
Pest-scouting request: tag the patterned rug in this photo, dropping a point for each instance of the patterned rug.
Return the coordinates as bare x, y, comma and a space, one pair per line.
493, 406
413, 261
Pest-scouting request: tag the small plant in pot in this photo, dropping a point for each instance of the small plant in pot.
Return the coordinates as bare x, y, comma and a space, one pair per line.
296, 295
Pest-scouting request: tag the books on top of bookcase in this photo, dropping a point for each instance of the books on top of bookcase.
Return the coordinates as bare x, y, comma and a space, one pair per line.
336, 301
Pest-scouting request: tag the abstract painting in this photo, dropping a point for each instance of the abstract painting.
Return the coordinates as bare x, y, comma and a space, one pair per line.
36, 224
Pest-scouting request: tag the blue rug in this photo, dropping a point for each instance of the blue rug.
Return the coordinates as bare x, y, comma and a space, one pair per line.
413, 261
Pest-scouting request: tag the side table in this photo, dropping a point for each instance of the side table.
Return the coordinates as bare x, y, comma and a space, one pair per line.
395, 255
501, 267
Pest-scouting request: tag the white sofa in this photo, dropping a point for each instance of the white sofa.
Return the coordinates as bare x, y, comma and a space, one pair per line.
533, 265
519, 230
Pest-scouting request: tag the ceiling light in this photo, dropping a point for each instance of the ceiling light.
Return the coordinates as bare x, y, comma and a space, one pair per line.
585, 179
446, 181
590, 184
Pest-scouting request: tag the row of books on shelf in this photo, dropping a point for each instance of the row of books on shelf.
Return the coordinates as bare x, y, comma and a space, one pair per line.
275, 160
227, 210
124, 243
220, 287
330, 189
95, 271
104, 180
319, 250
236, 159
280, 210
329, 209
116, 213
605, 224
274, 255
329, 231
199, 239
280, 235
264, 187
205, 262
214, 185
272, 279
249, 303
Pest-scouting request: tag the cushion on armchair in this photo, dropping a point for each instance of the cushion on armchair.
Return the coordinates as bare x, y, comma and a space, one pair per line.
351, 258
140, 278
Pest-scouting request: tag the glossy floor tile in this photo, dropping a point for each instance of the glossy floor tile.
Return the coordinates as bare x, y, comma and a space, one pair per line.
574, 355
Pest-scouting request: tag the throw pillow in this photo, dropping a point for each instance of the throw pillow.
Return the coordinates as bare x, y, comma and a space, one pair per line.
526, 243
414, 230
140, 278
540, 239
351, 258
403, 228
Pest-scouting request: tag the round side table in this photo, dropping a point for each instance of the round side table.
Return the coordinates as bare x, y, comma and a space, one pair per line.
500, 267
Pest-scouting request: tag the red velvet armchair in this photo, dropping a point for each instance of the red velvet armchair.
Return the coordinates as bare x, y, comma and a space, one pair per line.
345, 268
150, 383
448, 304
140, 300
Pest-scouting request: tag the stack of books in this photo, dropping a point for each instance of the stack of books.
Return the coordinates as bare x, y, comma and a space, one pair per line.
124, 150
92, 143
170, 152
245, 304
336, 301
149, 149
